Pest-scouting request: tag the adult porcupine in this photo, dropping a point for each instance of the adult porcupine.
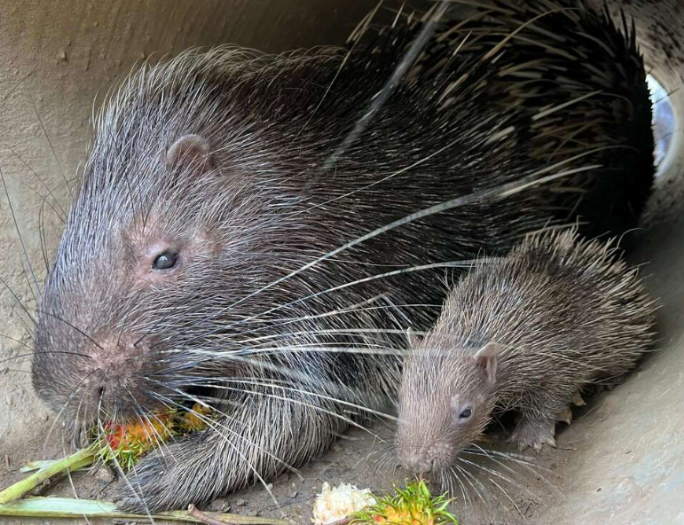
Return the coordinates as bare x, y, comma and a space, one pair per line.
215, 176
526, 331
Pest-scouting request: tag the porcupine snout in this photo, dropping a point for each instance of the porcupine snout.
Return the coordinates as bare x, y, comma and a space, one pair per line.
423, 449
425, 459
101, 374
113, 371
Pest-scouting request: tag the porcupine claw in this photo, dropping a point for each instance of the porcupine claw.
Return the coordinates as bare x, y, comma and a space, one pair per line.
577, 400
565, 416
534, 435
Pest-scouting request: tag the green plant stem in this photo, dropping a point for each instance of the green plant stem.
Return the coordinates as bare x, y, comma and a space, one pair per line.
39, 507
80, 459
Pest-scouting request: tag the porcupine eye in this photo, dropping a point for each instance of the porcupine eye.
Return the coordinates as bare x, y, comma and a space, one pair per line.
465, 414
165, 260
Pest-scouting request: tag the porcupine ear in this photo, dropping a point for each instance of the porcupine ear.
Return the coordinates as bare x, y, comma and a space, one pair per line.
190, 150
485, 360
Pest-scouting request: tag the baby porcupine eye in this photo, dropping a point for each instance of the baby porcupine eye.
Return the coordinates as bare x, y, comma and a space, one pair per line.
165, 260
462, 410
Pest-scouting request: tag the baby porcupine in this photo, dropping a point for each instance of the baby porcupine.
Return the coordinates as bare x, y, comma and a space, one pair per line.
525, 332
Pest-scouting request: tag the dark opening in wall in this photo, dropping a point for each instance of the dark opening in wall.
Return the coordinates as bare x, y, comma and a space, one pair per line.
663, 119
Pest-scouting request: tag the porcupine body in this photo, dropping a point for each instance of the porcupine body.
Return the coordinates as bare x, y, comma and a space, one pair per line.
528, 332
215, 177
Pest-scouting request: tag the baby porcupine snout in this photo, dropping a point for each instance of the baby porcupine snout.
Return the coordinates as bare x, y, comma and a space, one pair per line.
444, 400
426, 458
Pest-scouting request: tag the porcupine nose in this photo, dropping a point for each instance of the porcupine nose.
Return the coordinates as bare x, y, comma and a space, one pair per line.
419, 461
114, 365
428, 458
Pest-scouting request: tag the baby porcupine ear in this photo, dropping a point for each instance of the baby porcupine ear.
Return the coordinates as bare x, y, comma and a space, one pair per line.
485, 359
190, 150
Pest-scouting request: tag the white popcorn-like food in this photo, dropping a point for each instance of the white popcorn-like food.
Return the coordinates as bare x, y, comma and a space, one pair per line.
339, 502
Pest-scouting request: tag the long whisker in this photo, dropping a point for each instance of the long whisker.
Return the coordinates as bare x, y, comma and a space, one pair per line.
345, 331
500, 192
76, 391
497, 193
76, 432
515, 505
143, 417
213, 423
21, 305
227, 441
474, 483
302, 403
18, 341
61, 214
496, 474
71, 479
21, 356
289, 372
523, 461
42, 238
323, 348
418, 268
52, 149
140, 497
339, 312
21, 241
72, 326
466, 498
309, 393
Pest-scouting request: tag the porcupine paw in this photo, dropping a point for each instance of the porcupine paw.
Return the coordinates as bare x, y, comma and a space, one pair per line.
534, 435
566, 415
154, 485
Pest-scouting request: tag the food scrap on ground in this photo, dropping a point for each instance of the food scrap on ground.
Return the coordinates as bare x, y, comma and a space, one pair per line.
412, 505
125, 443
338, 503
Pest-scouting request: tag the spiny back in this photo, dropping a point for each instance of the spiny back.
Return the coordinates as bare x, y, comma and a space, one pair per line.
562, 309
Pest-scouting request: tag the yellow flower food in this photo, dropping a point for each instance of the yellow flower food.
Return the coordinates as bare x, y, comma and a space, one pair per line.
414, 505
196, 419
125, 443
